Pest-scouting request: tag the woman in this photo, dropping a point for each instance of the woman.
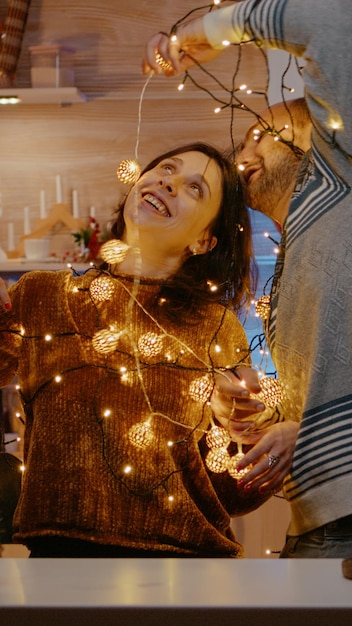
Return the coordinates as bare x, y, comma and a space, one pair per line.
116, 372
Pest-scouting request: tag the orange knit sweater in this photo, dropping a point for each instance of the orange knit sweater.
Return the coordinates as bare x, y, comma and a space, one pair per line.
116, 409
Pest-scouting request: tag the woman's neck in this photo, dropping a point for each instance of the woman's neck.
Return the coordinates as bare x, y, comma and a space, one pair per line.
147, 264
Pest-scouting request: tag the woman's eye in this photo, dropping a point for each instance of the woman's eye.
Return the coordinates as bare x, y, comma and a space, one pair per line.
168, 169
197, 189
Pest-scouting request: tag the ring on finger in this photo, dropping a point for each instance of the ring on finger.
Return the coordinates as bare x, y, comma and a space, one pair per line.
273, 460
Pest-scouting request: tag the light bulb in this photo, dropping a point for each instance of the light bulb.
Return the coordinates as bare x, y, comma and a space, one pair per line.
201, 388
128, 171
141, 435
150, 344
217, 437
271, 393
217, 460
114, 251
101, 288
105, 341
262, 307
232, 469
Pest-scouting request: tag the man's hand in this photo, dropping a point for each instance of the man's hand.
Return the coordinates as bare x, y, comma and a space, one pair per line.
4, 296
172, 55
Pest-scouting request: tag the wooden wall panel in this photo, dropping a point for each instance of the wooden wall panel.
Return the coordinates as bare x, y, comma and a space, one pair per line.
85, 142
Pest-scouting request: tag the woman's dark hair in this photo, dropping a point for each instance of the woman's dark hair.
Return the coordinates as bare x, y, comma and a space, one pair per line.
229, 266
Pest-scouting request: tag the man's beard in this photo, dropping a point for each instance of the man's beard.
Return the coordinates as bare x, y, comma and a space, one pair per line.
264, 193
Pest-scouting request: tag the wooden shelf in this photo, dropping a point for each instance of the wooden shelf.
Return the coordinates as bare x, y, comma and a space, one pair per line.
44, 95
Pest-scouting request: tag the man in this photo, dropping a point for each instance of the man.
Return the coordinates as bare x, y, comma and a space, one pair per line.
310, 326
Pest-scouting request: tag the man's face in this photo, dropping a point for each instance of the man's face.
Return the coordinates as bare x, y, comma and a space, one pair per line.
267, 166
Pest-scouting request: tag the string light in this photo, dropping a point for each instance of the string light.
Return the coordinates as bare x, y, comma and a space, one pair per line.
262, 307
271, 392
114, 251
201, 388
102, 288
150, 344
128, 171
141, 434
105, 341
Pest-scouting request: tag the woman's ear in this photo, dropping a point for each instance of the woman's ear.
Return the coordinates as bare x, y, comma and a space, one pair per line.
203, 246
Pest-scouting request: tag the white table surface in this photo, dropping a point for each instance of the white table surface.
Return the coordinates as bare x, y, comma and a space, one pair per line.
307, 592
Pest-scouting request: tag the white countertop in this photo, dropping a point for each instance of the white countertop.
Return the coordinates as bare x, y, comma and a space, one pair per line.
223, 592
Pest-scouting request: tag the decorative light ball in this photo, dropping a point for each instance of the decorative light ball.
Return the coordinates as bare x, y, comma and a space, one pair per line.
217, 460
105, 341
128, 171
141, 435
271, 393
114, 251
217, 437
150, 344
101, 288
262, 307
231, 466
201, 388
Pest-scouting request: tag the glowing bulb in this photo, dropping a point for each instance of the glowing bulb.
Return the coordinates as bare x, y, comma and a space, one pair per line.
217, 437
232, 466
128, 171
105, 341
174, 38
212, 286
107, 413
58, 378
114, 251
127, 469
241, 167
225, 42
271, 392
22, 468
181, 86
171, 498
141, 435
243, 87
48, 337
101, 289
217, 110
217, 348
201, 388
262, 307
217, 460
150, 344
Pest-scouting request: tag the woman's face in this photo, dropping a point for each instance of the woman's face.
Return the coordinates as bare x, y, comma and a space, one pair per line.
176, 201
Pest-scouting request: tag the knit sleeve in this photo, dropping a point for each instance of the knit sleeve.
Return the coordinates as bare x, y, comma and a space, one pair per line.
10, 338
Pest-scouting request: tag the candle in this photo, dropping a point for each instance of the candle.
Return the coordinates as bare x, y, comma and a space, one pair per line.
11, 237
92, 211
26, 221
75, 203
58, 189
42, 204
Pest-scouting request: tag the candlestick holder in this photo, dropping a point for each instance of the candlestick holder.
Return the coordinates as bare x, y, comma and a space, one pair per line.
59, 214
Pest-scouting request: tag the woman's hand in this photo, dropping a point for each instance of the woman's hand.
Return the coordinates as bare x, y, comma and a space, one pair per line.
172, 55
270, 456
231, 399
4, 296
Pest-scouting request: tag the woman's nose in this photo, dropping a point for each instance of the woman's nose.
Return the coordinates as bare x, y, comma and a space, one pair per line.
170, 184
